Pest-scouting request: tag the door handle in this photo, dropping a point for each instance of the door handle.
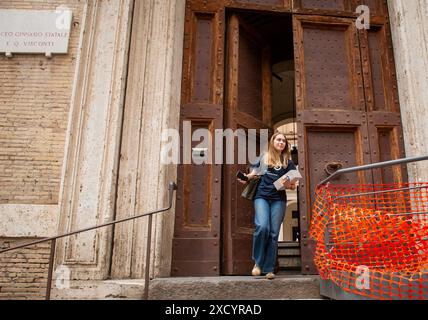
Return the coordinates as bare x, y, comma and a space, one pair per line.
332, 167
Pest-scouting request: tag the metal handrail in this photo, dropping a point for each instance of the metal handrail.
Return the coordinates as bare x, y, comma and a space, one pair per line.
172, 187
372, 166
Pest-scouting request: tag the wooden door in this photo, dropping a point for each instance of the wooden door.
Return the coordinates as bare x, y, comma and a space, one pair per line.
197, 242
347, 103
247, 106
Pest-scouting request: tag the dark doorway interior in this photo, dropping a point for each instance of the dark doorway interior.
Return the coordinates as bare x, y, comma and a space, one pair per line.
259, 32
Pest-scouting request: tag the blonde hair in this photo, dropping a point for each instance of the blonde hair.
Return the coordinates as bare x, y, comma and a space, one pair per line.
272, 157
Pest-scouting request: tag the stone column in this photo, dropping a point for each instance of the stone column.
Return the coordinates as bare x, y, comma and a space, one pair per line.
409, 27
88, 187
152, 105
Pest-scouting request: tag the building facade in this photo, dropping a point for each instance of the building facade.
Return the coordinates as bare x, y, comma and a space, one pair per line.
81, 134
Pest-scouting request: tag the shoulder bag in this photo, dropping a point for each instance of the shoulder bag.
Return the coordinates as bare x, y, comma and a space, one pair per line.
251, 188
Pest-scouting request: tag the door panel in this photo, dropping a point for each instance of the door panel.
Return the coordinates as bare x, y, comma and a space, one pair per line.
336, 5
248, 106
202, 86
385, 147
386, 143
327, 64
335, 93
196, 242
271, 5
326, 7
345, 8
382, 105
379, 71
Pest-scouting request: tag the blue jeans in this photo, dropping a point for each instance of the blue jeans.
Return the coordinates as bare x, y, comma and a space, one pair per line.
268, 219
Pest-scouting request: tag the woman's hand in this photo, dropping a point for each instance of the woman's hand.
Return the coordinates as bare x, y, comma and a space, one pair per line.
291, 185
250, 176
242, 181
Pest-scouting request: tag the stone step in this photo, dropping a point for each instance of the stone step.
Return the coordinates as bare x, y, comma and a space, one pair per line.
294, 252
285, 286
99, 290
236, 288
288, 244
289, 256
290, 262
288, 249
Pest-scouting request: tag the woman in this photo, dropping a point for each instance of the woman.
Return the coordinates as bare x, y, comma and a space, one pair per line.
269, 203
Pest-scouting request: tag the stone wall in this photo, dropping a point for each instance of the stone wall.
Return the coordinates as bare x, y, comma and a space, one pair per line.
34, 102
23, 273
35, 95
409, 28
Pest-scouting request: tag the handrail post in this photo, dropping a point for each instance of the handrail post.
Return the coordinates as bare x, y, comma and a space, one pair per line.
148, 251
172, 187
50, 271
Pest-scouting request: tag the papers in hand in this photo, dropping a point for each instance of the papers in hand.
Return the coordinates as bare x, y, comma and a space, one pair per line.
291, 175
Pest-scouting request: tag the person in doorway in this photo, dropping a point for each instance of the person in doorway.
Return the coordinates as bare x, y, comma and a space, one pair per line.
269, 203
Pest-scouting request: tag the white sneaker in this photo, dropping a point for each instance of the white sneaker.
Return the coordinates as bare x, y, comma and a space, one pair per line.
270, 276
256, 271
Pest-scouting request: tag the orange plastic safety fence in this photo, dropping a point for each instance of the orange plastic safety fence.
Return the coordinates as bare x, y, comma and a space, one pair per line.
372, 240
